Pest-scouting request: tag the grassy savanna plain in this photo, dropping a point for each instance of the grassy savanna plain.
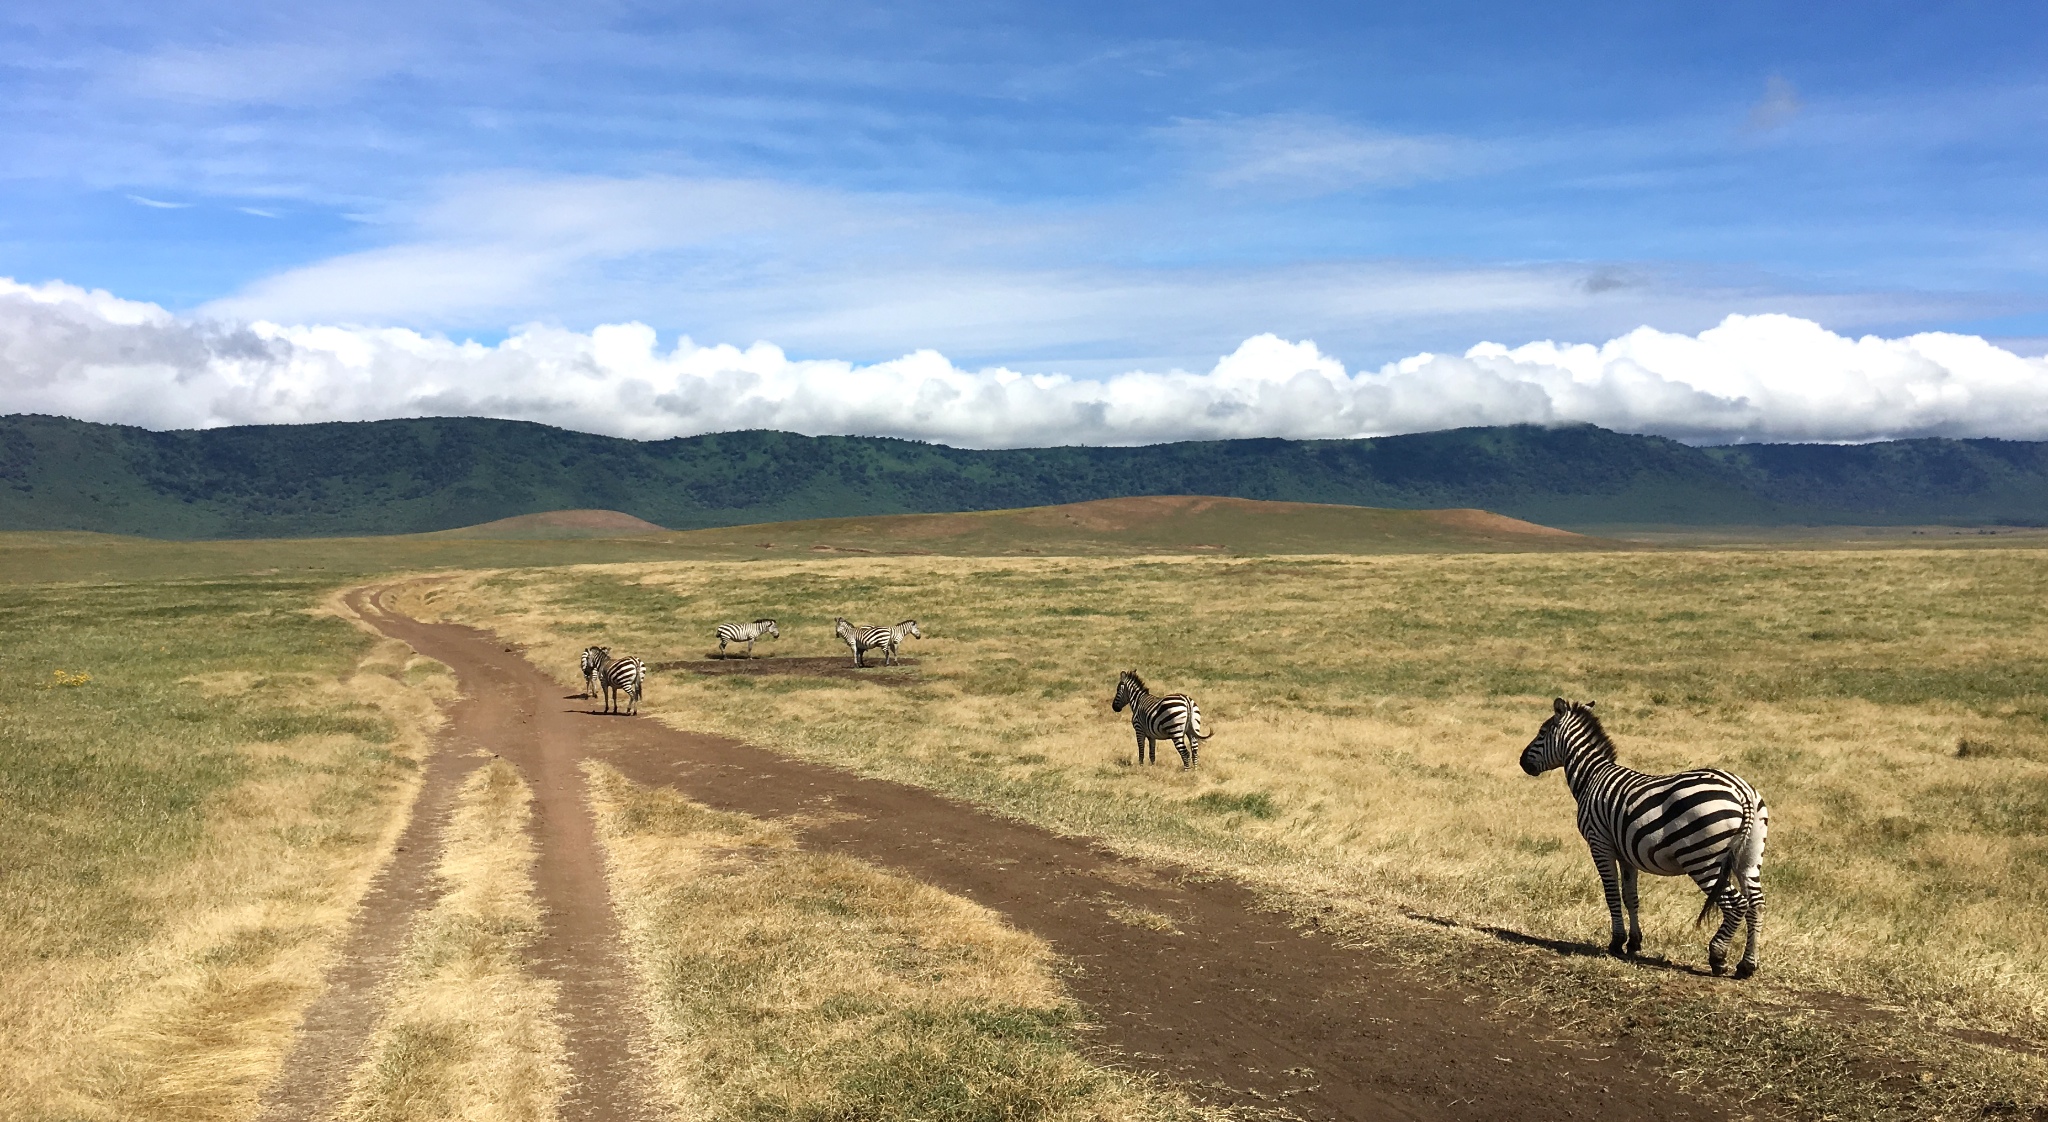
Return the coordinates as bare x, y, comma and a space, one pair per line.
197, 779
1892, 705
203, 762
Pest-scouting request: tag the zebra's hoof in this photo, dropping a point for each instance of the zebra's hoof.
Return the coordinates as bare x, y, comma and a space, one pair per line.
1635, 947
1617, 949
1744, 969
1718, 966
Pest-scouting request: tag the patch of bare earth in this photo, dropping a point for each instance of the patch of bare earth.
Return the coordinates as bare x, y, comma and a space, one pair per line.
1487, 522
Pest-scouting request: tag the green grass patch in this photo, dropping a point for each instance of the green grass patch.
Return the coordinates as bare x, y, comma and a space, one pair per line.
1257, 804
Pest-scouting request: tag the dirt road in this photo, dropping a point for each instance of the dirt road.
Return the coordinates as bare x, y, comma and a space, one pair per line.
1238, 1005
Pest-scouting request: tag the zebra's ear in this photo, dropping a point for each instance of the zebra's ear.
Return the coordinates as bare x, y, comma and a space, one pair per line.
1589, 705
1560, 705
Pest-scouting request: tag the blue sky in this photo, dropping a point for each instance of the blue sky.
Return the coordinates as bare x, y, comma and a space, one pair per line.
1876, 166
1081, 188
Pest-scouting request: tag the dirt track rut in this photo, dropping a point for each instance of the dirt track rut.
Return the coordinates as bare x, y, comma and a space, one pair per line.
1239, 1005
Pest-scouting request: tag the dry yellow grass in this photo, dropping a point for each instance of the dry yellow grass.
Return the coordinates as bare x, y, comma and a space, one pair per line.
172, 993
469, 1032
1368, 714
794, 985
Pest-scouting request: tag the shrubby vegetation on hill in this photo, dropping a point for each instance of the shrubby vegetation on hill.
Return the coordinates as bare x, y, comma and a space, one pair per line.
409, 476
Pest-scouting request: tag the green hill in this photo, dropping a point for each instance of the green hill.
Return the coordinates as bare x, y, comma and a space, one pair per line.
412, 476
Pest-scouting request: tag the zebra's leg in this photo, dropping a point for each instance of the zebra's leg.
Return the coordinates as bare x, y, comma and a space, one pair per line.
1753, 903
1629, 877
1610, 886
1732, 912
1180, 744
721, 648
750, 648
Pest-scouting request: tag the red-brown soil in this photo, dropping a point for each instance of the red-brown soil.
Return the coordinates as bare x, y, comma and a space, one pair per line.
558, 524
1241, 1005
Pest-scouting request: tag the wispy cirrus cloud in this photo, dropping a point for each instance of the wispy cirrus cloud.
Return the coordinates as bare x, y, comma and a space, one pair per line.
1778, 106
1302, 154
868, 275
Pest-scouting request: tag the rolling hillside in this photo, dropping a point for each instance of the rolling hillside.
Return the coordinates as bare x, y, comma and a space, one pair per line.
1152, 524
415, 476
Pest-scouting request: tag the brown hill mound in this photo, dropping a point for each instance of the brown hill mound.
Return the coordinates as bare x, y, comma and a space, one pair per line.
556, 524
1153, 524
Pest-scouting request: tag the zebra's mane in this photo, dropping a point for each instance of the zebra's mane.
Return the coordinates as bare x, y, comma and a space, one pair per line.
764, 621
1137, 681
1596, 735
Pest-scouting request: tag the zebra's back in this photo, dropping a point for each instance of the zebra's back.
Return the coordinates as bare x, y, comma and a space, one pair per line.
1671, 825
623, 678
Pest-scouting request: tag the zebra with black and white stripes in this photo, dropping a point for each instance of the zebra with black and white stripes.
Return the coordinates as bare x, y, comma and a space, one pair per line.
1705, 824
1174, 717
860, 640
745, 633
622, 679
594, 659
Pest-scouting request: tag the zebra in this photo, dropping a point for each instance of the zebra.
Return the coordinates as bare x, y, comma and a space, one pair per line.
745, 633
1705, 824
861, 640
622, 678
594, 659
1174, 717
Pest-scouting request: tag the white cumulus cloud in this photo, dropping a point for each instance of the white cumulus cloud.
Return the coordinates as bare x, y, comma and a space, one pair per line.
91, 355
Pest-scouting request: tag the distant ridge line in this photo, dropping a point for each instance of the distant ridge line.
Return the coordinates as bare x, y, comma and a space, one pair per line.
442, 474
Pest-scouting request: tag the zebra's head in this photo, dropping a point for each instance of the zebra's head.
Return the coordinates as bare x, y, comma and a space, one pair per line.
1128, 687
767, 627
841, 626
909, 627
1571, 726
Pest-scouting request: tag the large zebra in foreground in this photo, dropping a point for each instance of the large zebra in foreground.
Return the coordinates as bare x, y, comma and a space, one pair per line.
621, 680
745, 633
1174, 717
594, 659
1706, 824
861, 640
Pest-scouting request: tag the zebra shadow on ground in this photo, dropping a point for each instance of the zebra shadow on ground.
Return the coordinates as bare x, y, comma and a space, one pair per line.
1562, 947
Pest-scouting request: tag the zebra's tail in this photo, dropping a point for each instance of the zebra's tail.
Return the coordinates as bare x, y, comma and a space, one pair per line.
1195, 726
1731, 862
